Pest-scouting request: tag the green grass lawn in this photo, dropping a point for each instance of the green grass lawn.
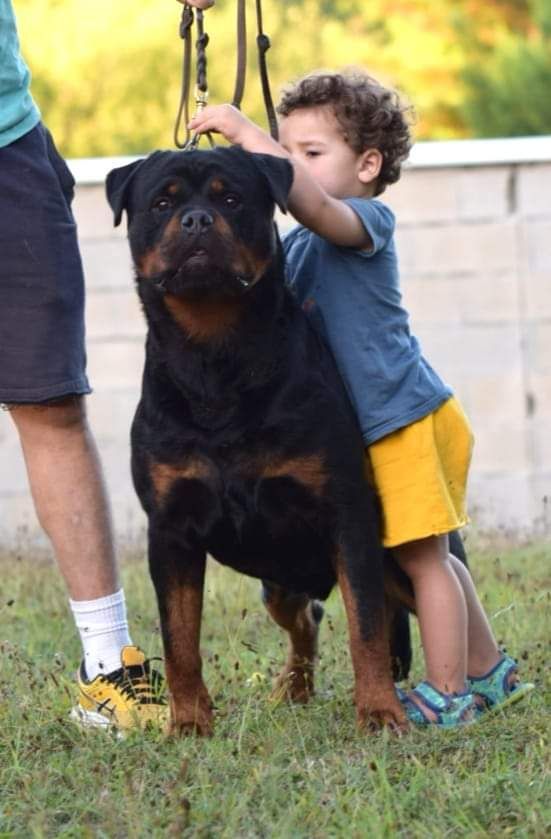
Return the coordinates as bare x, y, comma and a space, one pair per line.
270, 770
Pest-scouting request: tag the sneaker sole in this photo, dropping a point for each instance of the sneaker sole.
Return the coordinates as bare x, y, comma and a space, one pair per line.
92, 720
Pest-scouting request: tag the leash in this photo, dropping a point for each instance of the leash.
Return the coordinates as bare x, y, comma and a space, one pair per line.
263, 44
201, 85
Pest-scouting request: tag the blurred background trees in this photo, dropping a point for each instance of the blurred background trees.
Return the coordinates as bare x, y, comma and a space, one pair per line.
106, 73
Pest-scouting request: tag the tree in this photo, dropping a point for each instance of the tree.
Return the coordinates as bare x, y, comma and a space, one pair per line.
508, 78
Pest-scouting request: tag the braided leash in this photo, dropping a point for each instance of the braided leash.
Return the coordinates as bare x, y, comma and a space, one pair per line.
201, 85
191, 141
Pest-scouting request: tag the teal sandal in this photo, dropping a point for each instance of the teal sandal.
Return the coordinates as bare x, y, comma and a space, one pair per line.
451, 709
495, 691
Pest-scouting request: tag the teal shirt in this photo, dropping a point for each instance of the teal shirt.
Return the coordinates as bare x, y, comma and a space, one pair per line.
353, 297
18, 112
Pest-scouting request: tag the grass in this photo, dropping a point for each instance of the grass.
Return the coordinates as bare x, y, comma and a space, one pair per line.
270, 770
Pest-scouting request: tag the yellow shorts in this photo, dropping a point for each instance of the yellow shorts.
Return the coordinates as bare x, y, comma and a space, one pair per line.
420, 473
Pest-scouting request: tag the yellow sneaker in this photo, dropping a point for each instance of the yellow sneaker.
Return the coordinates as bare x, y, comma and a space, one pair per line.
131, 697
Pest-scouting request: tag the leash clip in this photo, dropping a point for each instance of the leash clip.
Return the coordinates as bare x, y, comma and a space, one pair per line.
201, 99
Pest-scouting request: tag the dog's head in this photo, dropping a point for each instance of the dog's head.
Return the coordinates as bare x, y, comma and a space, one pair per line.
200, 223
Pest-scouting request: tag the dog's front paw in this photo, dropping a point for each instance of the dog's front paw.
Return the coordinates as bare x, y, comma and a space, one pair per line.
373, 719
191, 721
191, 716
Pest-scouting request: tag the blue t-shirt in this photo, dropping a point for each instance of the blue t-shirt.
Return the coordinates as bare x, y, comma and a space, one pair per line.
353, 297
18, 112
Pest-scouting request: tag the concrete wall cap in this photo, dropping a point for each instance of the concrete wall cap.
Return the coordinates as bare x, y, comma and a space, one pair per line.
424, 155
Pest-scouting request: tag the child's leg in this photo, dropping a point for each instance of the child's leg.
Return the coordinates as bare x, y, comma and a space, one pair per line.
483, 652
441, 610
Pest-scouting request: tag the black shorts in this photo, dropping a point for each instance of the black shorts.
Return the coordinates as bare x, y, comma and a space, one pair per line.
42, 355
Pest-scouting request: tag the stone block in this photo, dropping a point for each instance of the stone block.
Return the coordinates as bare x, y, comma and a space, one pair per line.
107, 264
460, 350
539, 430
473, 299
541, 494
457, 249
94, 216
18, 522
115, 364
501, 447
495, 400
422, 196
536, 253
537, 294
114, 314
538, 385
537, 342
444, 196
110, 413
534, 190
13, 475
502, 500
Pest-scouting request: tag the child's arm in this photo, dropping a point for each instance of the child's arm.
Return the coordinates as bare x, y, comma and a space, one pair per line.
329, 217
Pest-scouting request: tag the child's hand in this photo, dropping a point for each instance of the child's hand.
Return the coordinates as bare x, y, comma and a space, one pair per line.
199, 4
225, 120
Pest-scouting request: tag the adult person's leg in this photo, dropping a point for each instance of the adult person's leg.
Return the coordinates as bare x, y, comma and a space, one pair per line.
67, 487
43, 381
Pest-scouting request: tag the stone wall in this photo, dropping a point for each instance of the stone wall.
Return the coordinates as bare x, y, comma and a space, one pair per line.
474, 238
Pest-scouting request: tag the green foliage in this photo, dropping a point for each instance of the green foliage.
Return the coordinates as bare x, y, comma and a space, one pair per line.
270, 770
508, 81
106, 75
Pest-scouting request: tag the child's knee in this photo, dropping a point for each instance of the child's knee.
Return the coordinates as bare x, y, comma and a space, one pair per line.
419, 557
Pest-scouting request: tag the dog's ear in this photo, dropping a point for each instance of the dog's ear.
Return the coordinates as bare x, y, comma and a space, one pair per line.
116, 187
279, 173
118, 183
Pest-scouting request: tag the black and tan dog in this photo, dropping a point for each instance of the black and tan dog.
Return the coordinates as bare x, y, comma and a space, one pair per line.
244, 443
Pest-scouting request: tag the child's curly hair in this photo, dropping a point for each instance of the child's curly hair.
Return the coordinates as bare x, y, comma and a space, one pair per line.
370, 115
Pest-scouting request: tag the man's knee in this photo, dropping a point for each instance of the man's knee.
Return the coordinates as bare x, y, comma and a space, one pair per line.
67, 414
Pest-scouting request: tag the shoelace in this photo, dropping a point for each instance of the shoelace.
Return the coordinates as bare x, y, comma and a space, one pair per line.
139, 682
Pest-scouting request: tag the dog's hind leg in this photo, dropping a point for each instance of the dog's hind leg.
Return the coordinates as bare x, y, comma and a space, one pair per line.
300, 617
178, 577
457, 548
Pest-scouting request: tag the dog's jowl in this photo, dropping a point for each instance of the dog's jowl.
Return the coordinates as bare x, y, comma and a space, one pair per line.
244, 443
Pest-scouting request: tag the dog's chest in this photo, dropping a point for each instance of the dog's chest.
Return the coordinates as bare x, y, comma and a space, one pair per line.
266, 516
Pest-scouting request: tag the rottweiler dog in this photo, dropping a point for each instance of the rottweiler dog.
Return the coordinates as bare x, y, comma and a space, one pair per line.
244, 443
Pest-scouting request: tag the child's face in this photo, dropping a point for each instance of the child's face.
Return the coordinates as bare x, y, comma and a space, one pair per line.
314, 137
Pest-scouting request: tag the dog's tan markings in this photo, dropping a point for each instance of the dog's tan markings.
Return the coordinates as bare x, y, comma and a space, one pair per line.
308, 470
296, 679
223, 228
249, 264
204, 320
190, 703
152, 262
217, 185
173, 188
245, 263
374, 693
164, 475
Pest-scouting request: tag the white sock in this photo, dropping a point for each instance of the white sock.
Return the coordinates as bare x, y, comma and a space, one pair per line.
103, 630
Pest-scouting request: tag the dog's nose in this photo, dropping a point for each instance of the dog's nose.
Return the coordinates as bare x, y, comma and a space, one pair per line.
196, 221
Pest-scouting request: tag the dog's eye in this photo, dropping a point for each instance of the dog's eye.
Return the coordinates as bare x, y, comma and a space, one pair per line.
230, 200
162, 203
